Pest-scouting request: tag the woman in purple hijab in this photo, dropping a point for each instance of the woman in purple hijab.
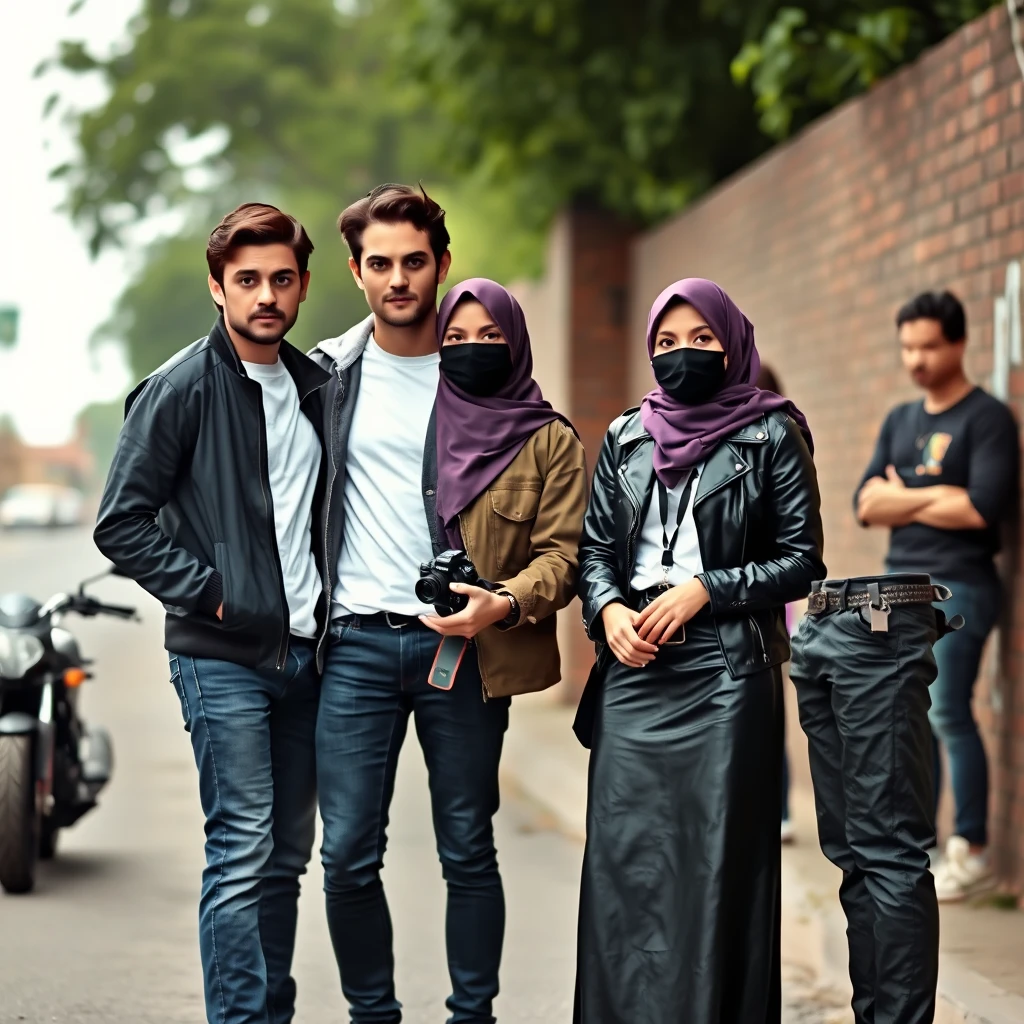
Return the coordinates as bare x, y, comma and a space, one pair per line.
511, 490
703, 523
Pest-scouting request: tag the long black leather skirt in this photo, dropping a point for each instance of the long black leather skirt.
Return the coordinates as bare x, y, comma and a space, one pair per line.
679, 907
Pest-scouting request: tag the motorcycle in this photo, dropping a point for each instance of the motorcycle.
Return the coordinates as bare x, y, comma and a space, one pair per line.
52, 766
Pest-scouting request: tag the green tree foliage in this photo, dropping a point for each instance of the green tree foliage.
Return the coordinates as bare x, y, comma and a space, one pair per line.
810, 58
295, 95
628, 106
508, 109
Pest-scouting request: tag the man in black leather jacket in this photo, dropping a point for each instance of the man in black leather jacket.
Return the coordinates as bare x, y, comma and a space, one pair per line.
209, 506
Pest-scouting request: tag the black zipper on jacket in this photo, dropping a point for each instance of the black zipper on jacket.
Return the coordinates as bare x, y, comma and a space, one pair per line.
634, 528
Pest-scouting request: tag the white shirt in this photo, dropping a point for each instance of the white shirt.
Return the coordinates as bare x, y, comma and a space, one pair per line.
293, 458
386, 535
649, 571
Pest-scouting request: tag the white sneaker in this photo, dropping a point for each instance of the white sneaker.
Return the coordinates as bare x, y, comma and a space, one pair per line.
962, 874
788, 833
934, 858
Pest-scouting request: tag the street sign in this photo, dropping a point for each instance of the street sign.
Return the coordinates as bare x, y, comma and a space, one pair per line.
8, 326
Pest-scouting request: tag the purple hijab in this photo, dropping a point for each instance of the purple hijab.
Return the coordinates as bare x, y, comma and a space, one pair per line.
477, 438
685, 434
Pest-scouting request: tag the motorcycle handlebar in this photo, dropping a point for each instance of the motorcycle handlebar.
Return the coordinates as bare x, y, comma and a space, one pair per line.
121, 611
90, 606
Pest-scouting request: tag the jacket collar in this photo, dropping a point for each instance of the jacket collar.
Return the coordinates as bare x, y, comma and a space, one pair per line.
306, 374
752, 433
726, 462
348, 347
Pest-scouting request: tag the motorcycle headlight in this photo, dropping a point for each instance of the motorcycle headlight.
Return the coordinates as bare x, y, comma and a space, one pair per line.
18, 653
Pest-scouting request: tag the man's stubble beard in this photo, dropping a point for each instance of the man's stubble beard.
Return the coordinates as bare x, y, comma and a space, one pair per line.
417, 317
244, 330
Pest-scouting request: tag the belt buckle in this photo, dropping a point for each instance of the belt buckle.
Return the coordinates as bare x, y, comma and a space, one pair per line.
817, 602
391, 625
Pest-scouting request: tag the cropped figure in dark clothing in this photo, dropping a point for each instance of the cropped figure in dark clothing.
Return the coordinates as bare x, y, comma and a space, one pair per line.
703, 523
944, 477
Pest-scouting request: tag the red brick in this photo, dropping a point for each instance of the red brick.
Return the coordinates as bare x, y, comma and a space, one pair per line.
918, 184
988, 138
1012, 185
1000, 220
976, 57
995, 105
997, 162
968, 121
983, 82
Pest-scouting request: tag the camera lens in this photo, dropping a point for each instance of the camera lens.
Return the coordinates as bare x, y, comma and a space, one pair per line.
430, 587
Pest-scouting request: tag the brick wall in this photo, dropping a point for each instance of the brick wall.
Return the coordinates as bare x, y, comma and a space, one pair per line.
919, 184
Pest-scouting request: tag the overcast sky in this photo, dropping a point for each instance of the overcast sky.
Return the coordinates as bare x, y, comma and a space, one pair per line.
45, 268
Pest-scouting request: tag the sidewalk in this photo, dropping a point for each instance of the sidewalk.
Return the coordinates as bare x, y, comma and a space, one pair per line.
981, 973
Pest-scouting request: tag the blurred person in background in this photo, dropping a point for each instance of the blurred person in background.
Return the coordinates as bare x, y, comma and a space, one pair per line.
944, 478
209, 506
768, 381
441, 440
703, 524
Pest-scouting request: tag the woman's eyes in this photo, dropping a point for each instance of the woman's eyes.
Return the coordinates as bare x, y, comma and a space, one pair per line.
494, 335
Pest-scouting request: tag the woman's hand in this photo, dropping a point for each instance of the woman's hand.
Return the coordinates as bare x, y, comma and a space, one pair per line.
484, 609
619, 622
667, 612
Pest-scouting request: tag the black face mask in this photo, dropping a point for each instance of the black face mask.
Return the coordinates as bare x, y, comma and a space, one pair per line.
478, 369
690, 375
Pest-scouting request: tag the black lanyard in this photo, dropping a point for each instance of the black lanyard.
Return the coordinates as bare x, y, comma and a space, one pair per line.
667, 557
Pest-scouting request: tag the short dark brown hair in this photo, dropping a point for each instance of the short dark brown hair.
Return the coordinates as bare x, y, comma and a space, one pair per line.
256, 224
394, 204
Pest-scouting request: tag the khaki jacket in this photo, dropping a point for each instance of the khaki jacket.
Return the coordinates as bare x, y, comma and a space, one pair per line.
523, 532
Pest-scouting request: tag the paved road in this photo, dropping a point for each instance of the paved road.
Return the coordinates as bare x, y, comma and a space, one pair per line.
109, 937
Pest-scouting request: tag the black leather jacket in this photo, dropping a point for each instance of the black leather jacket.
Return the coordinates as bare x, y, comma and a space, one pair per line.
187, 510
757, 512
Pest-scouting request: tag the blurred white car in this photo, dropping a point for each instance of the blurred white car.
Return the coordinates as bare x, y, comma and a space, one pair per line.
41, 505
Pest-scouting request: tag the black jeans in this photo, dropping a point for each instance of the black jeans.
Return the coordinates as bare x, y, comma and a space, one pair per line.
374, 678
864, 703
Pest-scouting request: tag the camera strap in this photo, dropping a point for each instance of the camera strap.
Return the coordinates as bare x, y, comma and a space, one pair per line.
447, 661
668, 557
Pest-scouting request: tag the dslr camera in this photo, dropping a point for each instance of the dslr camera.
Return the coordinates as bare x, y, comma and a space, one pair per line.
435, 578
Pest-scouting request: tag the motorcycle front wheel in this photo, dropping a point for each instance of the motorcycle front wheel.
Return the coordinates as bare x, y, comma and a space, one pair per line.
19, 818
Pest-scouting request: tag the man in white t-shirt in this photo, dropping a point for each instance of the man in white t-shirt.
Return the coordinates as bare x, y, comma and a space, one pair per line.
382, 524
212, 505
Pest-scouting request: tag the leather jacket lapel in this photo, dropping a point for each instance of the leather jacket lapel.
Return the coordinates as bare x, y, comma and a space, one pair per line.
637, 473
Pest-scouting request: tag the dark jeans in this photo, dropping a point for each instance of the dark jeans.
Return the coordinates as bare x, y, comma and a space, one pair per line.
374, 678
952, 718
864, 701
253, 736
